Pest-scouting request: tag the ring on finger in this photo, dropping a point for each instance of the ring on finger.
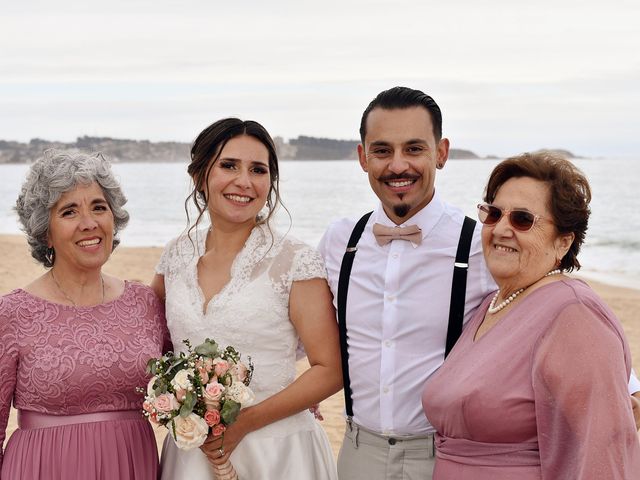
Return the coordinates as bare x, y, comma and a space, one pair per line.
221, 451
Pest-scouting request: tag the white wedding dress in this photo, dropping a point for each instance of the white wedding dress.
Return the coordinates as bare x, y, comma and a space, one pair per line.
251, 313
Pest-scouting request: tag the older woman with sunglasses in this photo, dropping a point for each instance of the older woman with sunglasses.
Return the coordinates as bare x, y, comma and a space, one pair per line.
536, 387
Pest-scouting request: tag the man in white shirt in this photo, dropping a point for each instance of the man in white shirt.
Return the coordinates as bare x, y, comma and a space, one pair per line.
399, 292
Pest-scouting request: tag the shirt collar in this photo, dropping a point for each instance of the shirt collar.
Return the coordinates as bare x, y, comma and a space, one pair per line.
426, 219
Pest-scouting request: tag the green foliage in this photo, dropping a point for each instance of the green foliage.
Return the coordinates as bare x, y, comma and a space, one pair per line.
207, 349
187, 405
231, 353
229, 411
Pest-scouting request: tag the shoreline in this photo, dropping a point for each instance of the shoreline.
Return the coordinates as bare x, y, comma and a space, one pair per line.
18, 269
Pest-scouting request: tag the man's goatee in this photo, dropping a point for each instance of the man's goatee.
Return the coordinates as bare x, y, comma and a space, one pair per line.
401, 210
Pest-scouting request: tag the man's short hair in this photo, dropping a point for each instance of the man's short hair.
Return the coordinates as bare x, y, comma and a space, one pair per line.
404, 97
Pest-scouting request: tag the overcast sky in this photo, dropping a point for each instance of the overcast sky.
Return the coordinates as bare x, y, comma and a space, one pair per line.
509, 75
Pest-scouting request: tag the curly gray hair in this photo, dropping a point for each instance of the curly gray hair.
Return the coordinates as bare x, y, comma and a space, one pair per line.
55, 173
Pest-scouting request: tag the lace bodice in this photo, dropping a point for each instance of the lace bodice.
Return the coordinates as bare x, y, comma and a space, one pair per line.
66, 360
251, 312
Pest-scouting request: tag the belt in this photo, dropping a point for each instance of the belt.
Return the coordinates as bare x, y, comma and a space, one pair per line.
470, 452
28, 419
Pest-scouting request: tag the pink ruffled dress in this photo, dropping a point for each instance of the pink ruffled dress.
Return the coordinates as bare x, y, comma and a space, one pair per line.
542, 395
72, 373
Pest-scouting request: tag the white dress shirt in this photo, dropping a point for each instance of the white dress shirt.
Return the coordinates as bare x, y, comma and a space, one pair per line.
398, 310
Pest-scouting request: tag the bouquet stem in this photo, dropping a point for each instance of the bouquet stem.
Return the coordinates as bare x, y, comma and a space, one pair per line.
225, 471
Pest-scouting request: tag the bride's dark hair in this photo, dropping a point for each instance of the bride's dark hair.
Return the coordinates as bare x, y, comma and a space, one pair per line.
206, 150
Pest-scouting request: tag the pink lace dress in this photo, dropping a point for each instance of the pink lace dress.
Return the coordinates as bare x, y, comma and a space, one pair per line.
541, 396
71, 373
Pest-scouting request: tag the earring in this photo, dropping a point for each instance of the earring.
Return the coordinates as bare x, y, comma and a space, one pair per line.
50, 255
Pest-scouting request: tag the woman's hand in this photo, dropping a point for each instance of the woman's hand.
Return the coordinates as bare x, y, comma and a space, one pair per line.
219, 448
213, 449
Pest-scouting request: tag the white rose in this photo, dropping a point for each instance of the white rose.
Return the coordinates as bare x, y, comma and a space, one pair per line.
181, 380
191, 431
239, 392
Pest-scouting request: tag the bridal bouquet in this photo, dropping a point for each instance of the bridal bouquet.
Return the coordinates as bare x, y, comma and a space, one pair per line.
198, 391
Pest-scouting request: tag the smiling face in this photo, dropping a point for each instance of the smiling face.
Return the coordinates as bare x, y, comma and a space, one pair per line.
81, 228
239, 182
401, 155
518, 259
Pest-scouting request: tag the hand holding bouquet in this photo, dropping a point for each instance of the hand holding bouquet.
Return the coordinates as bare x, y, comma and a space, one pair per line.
197, 392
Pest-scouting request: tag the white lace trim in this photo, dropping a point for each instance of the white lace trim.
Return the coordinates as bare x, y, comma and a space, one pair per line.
251, 312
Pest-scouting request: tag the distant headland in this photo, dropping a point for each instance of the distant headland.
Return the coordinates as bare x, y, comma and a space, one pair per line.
123, 150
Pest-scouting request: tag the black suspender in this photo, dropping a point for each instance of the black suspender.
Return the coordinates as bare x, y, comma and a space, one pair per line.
459, 284
456, 307
343, 287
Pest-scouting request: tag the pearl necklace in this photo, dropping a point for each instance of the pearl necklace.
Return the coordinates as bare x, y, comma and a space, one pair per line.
493, 308
67, 296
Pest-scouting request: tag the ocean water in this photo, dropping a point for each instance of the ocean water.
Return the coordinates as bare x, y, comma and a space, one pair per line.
316, 192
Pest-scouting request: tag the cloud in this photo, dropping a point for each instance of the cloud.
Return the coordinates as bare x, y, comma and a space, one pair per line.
161, 70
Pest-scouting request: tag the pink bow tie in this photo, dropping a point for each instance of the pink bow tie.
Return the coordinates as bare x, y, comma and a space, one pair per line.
384, 235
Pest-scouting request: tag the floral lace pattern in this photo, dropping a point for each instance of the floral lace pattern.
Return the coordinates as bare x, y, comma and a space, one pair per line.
67, 360
251, 312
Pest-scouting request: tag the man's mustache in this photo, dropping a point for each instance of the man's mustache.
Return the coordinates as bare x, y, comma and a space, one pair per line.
398, 176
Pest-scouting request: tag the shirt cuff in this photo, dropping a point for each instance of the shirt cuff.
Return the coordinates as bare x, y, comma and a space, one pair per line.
634, 383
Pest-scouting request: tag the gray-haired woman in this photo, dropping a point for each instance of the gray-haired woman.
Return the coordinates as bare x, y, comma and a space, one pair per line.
74, 343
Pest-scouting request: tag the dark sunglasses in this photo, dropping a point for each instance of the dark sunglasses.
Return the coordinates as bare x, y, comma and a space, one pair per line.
521, 220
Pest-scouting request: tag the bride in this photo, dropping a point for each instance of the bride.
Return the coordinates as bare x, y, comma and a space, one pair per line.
243, 284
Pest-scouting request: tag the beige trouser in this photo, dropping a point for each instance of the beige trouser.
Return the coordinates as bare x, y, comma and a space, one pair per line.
369, 456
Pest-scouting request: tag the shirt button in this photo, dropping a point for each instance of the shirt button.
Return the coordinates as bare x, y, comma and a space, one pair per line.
387, 343
385, 389
391, 298
395, 255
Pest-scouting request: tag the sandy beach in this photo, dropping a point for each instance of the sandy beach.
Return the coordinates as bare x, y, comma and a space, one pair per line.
17, 269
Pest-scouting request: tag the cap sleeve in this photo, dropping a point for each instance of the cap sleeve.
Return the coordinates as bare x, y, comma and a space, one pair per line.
307, 264
583, 411
178, 253
163, 264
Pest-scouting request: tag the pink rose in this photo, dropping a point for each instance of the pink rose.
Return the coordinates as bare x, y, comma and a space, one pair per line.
213, 392
204, 375
218, 430
147, 406
212, 417
212, 405
221, 367
208, 364
165, 403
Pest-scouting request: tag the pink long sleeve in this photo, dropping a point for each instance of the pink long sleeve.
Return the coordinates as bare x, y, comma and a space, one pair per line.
583, 412
8, 368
